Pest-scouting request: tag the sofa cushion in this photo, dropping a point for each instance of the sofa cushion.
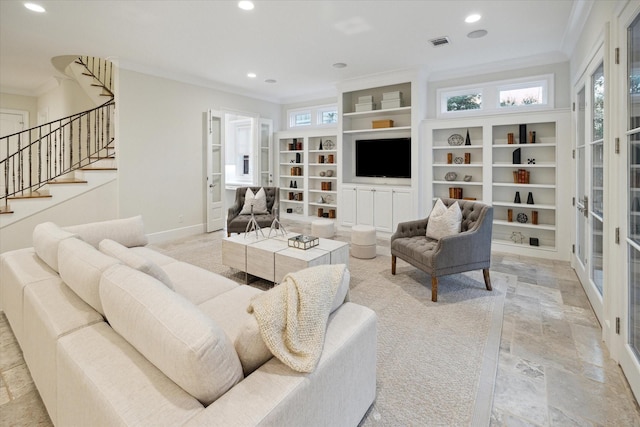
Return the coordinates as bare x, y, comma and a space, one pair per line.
134, 260
153, 255
187, 346
197, 284
258, 201
128, 231
46, 238
229, 310
444, 221
81, 266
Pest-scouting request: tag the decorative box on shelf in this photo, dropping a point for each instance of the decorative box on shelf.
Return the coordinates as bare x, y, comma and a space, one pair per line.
365, 106
303, 242
379, 124
391, 100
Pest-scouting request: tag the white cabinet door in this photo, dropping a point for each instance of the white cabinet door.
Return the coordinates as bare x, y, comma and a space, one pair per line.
402, 207
365, 206
383, 209
348, 205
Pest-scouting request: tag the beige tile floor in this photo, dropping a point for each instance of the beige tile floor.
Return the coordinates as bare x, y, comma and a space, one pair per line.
554, 370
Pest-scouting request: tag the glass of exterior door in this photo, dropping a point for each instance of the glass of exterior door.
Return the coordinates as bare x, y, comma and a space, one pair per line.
266, 175
581, 197
633, 175
597, 177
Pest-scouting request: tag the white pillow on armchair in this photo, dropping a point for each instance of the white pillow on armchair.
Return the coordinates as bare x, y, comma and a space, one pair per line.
258, 201
444, 221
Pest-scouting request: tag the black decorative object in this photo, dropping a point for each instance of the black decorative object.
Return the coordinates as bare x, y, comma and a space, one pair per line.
320, 145
531, 161
522, 218
517, 199
533, 241
289, 210
295, 184
467, 141
533, 137
530, 198
523, 134
291, 184
516, 156
298, 158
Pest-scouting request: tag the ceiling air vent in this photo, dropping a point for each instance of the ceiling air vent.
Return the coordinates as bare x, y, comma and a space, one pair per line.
440, 41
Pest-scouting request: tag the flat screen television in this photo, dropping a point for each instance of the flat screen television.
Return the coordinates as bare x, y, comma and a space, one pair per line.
387, 158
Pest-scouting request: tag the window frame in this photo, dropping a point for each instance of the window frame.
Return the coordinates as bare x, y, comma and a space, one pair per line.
490, 92
315, 113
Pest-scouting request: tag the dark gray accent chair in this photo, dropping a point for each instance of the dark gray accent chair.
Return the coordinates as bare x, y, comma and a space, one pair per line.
237, 223
468, 250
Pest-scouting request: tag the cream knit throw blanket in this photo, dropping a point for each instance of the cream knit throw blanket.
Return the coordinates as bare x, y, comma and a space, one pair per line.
293, 315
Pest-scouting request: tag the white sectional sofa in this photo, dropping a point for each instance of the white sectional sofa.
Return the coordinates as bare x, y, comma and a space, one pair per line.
115, 333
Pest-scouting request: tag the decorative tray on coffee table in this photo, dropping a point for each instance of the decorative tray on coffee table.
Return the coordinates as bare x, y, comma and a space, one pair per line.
303, 242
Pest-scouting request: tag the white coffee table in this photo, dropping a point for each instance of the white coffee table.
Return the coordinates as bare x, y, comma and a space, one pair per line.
271, 258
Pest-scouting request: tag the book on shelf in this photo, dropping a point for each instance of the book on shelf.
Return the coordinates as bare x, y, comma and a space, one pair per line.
521, 176
455, 192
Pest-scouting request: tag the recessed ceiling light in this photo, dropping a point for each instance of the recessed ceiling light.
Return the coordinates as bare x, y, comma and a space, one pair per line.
339, 65
246, 5
270, 81
472, 18
477, 34
251, 75
34, 7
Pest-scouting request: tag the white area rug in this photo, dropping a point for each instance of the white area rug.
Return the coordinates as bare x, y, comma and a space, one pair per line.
436, 361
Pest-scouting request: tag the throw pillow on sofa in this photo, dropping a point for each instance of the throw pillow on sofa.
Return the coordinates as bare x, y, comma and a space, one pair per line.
127, 231
258, 201
134, 260
444, 221
180, 340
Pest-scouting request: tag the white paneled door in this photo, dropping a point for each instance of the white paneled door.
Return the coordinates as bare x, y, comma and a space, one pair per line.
589, 189
630, 202
215, 169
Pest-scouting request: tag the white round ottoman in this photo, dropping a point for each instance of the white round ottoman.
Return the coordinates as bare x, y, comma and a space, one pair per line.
363, 241
322, 228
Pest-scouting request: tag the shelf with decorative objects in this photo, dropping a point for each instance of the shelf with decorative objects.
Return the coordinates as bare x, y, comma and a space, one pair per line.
520, 181
323, 181
524, 184
305, 160
458, 163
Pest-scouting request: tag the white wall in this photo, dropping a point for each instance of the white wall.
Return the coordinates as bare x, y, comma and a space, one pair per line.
64, 100
96, 205
161, 147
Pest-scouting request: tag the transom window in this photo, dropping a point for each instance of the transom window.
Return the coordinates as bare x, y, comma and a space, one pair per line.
492, 97
318, 116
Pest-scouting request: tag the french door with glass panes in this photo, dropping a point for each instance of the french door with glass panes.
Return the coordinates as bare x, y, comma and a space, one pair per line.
589, 155
630, 202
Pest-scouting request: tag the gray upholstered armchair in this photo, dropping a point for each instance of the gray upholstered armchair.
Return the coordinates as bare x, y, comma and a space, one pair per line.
468, 250
237, 223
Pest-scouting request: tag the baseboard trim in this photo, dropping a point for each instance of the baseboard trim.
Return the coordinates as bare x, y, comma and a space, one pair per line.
176, 233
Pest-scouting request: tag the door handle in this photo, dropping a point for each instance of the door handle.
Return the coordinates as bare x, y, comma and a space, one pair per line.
585, 204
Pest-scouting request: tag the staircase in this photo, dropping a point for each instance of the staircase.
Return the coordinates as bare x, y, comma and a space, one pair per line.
59, 160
